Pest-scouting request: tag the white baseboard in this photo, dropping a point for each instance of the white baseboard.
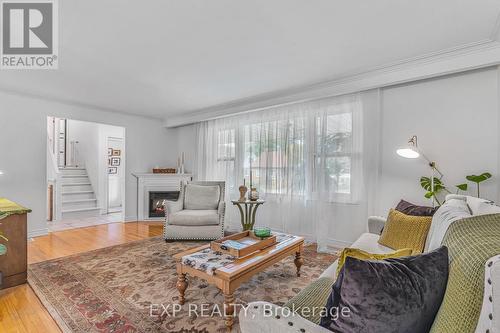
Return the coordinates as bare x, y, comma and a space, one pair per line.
130, 219
337, 243
134, 219
38, 232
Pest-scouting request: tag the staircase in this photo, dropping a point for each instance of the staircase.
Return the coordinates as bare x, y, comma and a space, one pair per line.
77, 194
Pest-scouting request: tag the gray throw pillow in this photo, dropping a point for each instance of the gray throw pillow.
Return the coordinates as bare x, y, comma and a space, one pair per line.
408, 208
399, 295
204, 197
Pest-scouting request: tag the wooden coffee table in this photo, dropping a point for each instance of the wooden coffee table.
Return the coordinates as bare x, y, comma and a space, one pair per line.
228, 278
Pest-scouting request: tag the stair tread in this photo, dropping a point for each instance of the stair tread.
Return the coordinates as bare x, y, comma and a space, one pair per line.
77, 192
74, 176
79, 209
79, 200
74, 184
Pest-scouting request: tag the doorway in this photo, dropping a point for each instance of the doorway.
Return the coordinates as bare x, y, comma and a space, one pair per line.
115, 148
85, 173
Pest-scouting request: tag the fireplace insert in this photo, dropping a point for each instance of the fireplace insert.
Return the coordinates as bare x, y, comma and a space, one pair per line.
157, 202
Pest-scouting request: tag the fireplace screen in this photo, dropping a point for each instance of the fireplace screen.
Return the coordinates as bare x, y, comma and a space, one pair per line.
157, 202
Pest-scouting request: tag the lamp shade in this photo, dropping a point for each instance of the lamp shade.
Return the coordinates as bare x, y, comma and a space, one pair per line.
408, 153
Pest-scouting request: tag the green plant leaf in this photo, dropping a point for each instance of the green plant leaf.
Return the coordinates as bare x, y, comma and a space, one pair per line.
425, 182
462, 187
479, 178
3, 249
429, 195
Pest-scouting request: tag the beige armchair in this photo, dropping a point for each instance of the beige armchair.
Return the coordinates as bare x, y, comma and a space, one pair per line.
198, 214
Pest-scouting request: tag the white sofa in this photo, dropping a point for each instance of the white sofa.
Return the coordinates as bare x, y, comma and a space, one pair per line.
256, 318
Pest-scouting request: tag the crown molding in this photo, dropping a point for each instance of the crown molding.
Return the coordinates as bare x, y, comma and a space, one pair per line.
70, 102
463, 58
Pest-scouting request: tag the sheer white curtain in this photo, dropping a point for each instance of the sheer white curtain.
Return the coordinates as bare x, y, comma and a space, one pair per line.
315, 163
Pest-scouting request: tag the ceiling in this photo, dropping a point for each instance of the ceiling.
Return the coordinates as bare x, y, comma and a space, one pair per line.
162, 58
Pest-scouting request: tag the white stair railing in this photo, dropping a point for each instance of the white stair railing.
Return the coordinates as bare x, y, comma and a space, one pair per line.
54, 179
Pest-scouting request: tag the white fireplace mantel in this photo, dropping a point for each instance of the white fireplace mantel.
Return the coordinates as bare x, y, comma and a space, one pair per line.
150, 182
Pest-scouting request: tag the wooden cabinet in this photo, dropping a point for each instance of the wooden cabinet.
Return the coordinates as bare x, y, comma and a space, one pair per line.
14, 263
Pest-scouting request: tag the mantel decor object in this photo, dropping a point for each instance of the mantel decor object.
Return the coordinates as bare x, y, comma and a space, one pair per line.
164, 170
180, 164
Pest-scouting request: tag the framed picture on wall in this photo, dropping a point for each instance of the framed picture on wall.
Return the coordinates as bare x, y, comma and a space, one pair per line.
110, 151
117, 152
112, 170
115, 161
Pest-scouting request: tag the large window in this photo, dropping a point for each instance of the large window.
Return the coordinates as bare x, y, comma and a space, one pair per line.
310, 150
333, 153
226, 146
226, 156
274, 154
314, 162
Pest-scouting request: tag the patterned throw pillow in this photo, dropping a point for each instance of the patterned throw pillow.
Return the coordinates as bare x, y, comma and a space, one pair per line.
363, 255
403, 231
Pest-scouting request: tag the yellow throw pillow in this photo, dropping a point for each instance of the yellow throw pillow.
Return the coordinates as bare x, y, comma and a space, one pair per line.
363, 255
403, 231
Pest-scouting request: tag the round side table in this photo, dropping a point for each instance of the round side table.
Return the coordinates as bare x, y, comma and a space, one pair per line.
248, 209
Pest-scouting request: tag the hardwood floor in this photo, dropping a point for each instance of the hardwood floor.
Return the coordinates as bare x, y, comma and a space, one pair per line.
20, 309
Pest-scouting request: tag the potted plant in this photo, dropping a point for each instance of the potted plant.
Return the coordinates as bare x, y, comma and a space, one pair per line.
439, 186
478, 179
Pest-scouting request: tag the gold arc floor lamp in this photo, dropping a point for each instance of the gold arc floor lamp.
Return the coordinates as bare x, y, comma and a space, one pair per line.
412, 151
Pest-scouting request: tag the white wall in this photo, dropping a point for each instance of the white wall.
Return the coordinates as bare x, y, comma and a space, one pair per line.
186, 142
23, 150
456, 119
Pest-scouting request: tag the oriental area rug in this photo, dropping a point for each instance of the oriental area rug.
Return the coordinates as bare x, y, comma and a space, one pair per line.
132, 288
